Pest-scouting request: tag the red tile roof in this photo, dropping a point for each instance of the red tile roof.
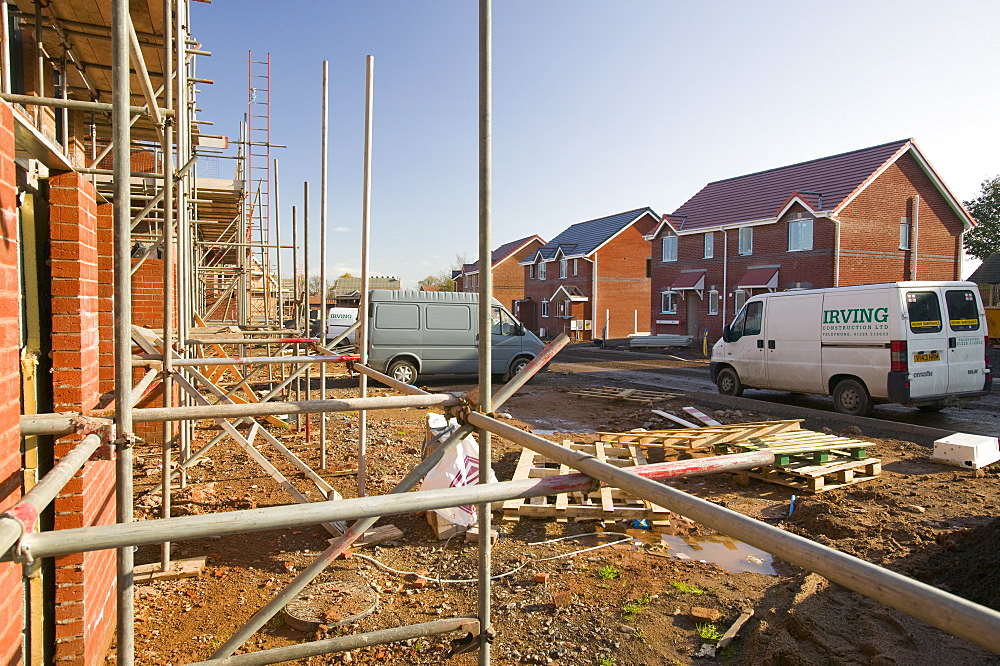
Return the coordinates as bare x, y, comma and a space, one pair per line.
502, 253
823, 183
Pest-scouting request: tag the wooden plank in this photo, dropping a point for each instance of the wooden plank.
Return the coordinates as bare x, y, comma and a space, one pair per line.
375, 536
185, 568
522, 471
701, 416
675, 419
819, 482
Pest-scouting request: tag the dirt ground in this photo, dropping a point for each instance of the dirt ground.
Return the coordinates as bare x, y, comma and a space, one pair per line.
626, 603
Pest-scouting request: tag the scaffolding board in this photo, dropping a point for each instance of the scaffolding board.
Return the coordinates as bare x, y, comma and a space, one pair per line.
690, 439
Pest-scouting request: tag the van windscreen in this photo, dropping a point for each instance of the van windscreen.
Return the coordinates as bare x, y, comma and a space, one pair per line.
924, 311
963, 311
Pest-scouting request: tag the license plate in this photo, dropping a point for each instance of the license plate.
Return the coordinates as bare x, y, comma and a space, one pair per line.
933, 356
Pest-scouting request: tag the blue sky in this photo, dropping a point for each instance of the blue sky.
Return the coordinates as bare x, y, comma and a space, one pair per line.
598, 107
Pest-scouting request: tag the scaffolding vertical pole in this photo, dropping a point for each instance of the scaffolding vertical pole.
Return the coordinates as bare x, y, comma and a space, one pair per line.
122, 217
277, 251
362, 334
485, 328
322, 260
307, 331
186, 280
168, 269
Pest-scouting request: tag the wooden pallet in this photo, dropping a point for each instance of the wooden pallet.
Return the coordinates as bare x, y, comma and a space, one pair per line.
802, 446
701, 438
807, 477
634, 395
605, 504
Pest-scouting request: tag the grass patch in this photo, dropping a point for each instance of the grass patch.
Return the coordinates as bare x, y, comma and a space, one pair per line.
687, 588
632, 609
709, 632
609, 572
605, 661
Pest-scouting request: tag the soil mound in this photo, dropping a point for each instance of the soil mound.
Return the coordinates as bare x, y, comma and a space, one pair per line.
972, 570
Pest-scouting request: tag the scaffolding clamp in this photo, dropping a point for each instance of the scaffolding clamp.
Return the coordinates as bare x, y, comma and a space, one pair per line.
470, 642
25, 515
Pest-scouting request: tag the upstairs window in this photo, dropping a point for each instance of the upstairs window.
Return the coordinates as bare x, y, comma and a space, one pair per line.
575, 266
709, 245
531, 271
800, 233
904, 233
563, 268
541, 270
745, 242
670, 248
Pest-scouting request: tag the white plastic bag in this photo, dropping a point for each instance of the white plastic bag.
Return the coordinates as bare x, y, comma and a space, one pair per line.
458, 467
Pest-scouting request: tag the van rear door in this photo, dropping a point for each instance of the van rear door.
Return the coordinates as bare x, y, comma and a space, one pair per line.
926, 342
966, 340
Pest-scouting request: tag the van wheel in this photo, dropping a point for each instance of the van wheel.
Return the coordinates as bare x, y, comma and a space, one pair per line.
515, 367
403, 371
729, 382
851, 397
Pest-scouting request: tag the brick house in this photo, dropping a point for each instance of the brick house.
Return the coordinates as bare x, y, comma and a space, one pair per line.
508, 276
879, 214
592, 280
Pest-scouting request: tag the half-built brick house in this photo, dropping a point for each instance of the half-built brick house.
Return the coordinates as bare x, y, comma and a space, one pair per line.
879, 214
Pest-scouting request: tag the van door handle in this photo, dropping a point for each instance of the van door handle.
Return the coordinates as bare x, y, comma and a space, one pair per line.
952, 343
770, 344
760, 344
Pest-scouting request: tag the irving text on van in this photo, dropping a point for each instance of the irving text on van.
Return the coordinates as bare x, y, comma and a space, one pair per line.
922, 344
437, 332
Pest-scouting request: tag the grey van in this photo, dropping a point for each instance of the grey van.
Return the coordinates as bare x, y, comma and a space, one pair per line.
414, 333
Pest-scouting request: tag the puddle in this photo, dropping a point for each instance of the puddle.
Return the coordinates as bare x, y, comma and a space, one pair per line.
731, 555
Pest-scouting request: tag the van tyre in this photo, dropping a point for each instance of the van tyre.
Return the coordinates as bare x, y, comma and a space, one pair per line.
729, 382
515, 367
403, 371
851, 397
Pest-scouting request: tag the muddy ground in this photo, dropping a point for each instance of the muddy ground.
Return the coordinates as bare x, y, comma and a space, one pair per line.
626, 603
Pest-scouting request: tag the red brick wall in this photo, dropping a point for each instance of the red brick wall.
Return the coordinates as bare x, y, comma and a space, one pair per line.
870, 238
543, 290
508, 275
84, 583
622, 285
10, 442
106, 297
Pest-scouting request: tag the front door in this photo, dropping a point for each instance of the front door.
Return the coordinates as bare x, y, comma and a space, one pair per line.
693, 314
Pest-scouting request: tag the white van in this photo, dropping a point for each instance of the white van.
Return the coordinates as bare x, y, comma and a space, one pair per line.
338, 321
922, 344
437, 332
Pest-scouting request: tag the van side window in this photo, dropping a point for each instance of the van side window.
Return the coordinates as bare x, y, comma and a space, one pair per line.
924, 311
449, 318
736, 328
754, 311
402, 316
502, 323
963, 311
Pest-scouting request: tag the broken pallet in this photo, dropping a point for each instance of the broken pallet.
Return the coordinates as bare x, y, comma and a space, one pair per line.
604, 504
634, 395
700, 438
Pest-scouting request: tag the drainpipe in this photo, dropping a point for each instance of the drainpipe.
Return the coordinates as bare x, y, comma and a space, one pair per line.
593, 298
913, 240
836, 251
725, 276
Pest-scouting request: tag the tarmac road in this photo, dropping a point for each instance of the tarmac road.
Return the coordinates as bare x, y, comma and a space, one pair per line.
659, 371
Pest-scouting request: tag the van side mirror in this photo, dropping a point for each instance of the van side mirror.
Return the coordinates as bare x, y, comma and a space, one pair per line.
519, 329
726, 333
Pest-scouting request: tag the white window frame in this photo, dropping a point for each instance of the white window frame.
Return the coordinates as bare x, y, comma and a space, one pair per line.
669, 248
576, 266
744, 244
709, 244
800, 233
541, 270
713, 302
531, 271
563, 268
904, 233
545, 308
739, 298
668, 301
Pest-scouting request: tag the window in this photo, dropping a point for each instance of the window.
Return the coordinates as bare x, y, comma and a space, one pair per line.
541, 270
739, 298
713, 302
800, 233
449, 318
668, 301
502, 323
531, 271
709, 245
747, 322
963, 311
399, 316
670, 248
575, 266
924, 311
904, 233
545, 308
745, 244
560, 308
563, 268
